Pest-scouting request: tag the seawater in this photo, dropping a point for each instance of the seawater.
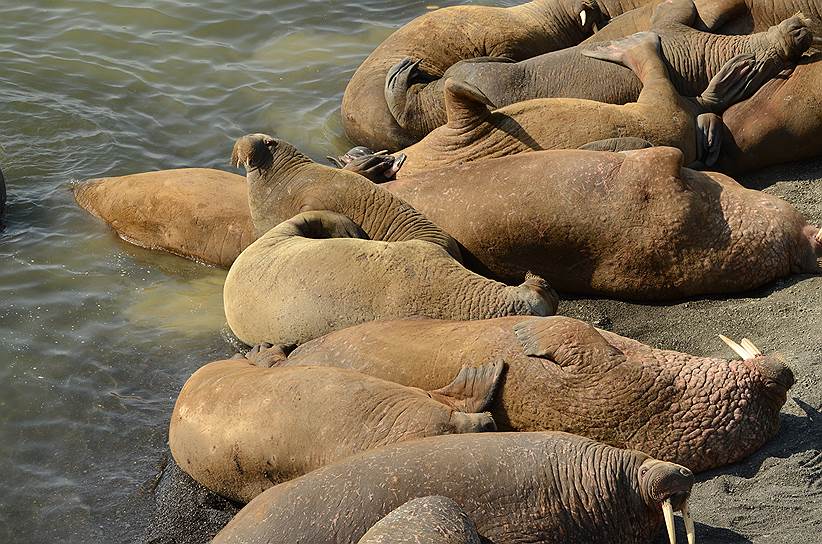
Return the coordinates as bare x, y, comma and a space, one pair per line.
97, 336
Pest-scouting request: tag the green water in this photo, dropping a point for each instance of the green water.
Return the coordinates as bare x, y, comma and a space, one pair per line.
96, 336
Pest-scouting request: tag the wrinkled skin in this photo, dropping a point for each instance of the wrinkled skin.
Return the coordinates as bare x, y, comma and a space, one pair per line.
517, 487
632, 225
780, 123
146, 210
692, 57
318, 272
446, 36
283, 182
427, 520
2, 198
564, 375
660, 116
238, 429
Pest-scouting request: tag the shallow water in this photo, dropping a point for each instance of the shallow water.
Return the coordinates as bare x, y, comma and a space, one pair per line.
97, 336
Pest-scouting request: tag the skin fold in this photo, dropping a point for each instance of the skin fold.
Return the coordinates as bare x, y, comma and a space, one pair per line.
443, 37
145, 209
516, 487
659, 117
427, 520
692, 58
562, 374
238, 429
318, 272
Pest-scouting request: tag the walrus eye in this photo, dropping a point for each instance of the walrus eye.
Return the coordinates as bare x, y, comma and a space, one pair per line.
643, 472
271, 143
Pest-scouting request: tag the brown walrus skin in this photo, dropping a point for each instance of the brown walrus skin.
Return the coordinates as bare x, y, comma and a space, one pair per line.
317, 272
217, 225
630, 225
517, 487
238, 429
693, 58
660, 116
445, 36
427, 520
565, 375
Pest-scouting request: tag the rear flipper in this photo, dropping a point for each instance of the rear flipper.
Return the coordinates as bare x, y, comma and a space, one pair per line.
473, 388
738, 79
631, 52
398, 82
708, 138
266, 355
465, 103
617, 144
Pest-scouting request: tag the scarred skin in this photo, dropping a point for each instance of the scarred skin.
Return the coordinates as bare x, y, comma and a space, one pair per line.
697, 411
693, 58
318, 272
517, 487
443, 37
144, 209
238, 429
632, 225
781, 123
427, 520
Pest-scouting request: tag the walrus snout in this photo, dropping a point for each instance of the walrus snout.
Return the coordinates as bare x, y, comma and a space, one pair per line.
253, 151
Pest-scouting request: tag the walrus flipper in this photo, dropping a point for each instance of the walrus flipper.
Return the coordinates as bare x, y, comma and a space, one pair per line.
738, 79
709, 138
615, 145
266, 355
398, 81
567, 342
673, 12
465, 102
473, 388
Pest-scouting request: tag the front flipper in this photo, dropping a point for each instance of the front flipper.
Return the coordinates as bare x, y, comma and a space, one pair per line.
473, 388
709, 138
616, 145
398, 81
266, 355
567, 342
738, 79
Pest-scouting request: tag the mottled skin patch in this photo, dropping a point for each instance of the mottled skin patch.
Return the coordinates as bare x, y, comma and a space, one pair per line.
697, 411
427, 520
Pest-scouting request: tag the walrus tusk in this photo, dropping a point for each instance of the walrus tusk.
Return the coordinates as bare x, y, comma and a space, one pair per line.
819, 235
380, 153
742, 352
689, 523
668, 512
752, 349
582, 17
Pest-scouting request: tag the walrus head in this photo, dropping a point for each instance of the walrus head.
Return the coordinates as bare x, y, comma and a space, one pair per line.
667, 486
254, 151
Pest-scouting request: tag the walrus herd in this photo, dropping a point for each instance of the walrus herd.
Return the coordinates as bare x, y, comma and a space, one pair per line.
404, 376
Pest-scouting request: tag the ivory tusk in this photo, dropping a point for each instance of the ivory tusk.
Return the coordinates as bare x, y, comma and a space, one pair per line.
748, 345
819, 235
382, 152
689, 523
742, 352
668, 512
583, 17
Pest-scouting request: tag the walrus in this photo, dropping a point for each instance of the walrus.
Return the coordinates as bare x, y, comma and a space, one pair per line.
216, 202
633, 225
318, 272
660, 116
427, 520
238, 429
516, 487
440, 38
564, 375
693, 58
2, 198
